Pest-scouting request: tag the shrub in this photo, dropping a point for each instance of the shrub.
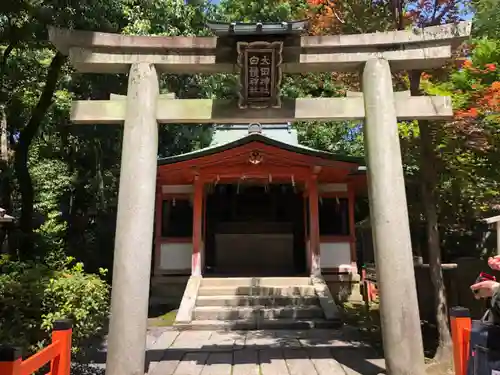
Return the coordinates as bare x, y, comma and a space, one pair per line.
33, 296
21, 293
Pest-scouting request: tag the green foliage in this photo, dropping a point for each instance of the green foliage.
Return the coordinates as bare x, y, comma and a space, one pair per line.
74, 171
487, 14
166, 17
34, 295
261, 10
79, 296
467, 149
51, 180
341, 137
52, 232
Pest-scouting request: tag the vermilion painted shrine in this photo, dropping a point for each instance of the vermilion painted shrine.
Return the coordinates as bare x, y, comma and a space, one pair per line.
253, 188
257, 203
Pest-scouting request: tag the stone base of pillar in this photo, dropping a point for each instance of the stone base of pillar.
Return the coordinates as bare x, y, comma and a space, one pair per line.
196, 264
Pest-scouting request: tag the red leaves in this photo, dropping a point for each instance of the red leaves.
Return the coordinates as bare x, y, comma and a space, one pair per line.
484, 100
425, 76
490, 99
467, 64
495, 85
324, 17
478, 93
434, 12
469, 113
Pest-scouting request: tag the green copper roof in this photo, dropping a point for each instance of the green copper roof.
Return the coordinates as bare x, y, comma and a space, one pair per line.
280, 132
226, 137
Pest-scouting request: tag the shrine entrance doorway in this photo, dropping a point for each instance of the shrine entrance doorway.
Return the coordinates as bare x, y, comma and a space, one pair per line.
255, 229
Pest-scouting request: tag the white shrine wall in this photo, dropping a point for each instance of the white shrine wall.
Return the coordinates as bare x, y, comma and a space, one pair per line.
176, 257
336, 255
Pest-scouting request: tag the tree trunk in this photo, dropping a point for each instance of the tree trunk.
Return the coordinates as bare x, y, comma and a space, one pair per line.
5, 156
21, 155
5, 187
5, 181
428, 183
428, 170
99, 175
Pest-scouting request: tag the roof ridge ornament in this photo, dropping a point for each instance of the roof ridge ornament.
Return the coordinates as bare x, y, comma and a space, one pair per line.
256, 28
255, 128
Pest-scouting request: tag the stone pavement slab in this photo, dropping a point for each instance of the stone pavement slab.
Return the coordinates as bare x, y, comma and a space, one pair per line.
191, 364
323, 361
272, 362
218, 363
246, 362
280, 352
299, 363
168, 363
262, 352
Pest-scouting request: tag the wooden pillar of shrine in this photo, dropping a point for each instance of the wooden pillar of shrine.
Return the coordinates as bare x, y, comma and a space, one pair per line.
158, 227
352, 229
306, 229
197, 227
314, 241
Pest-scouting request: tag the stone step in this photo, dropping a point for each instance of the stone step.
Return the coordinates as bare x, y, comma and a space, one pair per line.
258, 324
254, 281
256, 312
235, 290
266, 301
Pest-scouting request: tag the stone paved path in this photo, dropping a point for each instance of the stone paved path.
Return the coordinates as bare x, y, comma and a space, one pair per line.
312, 352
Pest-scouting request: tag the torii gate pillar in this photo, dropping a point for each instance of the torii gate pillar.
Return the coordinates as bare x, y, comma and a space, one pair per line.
135, 218
399, 316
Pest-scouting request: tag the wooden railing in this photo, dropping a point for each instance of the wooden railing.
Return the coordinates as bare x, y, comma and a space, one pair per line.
369, 283
58, 353
461, 323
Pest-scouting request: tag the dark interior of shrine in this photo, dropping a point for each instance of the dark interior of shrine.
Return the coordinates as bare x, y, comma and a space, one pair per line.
255, 229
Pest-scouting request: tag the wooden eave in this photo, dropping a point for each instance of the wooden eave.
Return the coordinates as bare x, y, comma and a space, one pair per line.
280, 161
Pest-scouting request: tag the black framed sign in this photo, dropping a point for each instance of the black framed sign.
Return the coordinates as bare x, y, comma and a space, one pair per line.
260, 74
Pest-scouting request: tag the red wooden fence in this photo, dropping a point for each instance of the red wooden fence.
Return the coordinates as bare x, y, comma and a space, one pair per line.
460, 322
369, 284
58, 353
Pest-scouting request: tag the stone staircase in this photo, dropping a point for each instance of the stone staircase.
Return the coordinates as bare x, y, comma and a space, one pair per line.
253, 303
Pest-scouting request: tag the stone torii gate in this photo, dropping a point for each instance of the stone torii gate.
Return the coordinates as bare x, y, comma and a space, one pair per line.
376, 55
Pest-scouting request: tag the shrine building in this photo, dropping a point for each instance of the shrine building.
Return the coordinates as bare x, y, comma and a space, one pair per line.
254, 203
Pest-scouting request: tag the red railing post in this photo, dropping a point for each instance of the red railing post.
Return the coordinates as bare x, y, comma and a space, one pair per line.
62, 332
460, 322
10, 360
